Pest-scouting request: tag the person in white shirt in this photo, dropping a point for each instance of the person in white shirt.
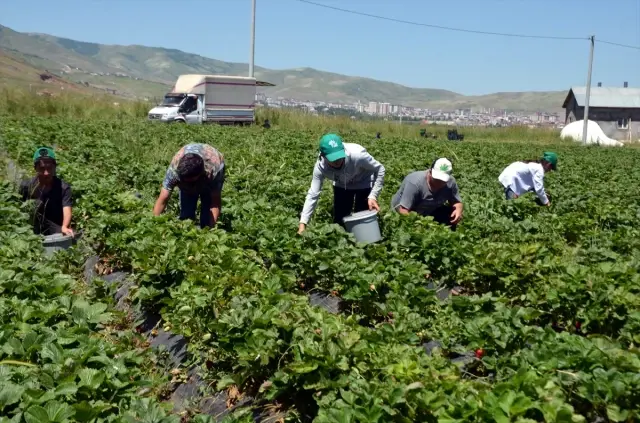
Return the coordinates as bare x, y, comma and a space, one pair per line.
352, 170
523, 176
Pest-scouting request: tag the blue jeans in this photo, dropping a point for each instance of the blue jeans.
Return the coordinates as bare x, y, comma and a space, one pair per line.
189, 200
509, 194
189, 204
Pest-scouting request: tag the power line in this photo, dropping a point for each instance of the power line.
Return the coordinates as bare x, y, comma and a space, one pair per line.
638, 22
384, 18
472, 31
618, 44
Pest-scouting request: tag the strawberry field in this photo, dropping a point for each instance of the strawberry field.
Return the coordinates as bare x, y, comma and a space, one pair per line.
316, 327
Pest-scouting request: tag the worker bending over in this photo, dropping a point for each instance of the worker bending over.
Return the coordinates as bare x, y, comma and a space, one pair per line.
528, 175
352, 170
433, 192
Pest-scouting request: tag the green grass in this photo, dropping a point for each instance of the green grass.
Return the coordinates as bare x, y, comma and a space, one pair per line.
346, 126
20, 102
23, 103
126, 86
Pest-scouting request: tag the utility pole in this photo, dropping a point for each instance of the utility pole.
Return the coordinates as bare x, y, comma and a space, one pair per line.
253, 37
588, 93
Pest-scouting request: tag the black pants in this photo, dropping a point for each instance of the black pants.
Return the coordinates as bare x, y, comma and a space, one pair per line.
347, 200
443, 215
44, 226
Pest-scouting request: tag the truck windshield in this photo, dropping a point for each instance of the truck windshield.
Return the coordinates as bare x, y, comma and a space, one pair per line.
171, 100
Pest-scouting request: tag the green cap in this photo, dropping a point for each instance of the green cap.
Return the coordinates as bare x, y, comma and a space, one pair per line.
551, 158
332, 148
44, 153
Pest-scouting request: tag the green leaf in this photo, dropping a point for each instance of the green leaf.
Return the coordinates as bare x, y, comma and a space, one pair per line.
64, 389
52, 352
36, 414
301, 368
83, 312
30, 341
413, 386
615, 414
348, 396
397, 396
10, 394
85, 412
14, 347
59, 412
520, 405
47, 381
225, 382
91, 378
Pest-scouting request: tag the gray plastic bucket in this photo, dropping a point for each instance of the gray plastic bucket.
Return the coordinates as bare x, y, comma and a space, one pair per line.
56, 242
364, 226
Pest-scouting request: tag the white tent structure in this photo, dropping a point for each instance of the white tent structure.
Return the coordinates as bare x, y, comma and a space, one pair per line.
595, 135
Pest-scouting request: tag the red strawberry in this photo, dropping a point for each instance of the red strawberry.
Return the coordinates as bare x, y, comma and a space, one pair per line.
479, 353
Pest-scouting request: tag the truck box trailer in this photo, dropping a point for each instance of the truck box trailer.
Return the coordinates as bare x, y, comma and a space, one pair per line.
198, 99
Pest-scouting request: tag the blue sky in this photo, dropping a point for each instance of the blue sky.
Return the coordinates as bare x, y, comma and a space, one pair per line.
291, 34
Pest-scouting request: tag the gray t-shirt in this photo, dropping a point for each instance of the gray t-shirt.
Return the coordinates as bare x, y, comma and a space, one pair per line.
415, 195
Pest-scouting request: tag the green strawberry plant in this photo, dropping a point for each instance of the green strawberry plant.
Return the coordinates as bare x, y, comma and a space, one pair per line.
550, 306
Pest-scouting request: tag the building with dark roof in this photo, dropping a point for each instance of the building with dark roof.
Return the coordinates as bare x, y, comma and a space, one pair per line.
616, 110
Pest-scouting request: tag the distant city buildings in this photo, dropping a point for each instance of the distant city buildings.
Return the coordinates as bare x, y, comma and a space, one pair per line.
385, 110
382, 110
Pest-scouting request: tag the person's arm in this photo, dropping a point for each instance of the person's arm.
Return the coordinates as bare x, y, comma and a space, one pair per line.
409, 193
311, 201
161, 202
24, 190
67, 203
168, 184
216, 197
367, 161
66, 221
402, 210
456, 215
538, 186
216, 206
456, 202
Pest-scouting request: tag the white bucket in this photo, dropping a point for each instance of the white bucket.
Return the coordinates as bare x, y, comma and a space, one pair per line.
364, 226
55, 242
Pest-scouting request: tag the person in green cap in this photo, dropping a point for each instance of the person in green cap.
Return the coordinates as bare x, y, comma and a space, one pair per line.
52, 195
523, 176
357, 179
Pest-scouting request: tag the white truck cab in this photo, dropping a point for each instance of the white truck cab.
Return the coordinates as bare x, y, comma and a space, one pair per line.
197, 99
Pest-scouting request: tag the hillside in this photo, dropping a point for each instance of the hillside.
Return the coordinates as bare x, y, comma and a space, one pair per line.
149, 71
16, 72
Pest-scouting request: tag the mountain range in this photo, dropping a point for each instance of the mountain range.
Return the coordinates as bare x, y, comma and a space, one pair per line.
149, 72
